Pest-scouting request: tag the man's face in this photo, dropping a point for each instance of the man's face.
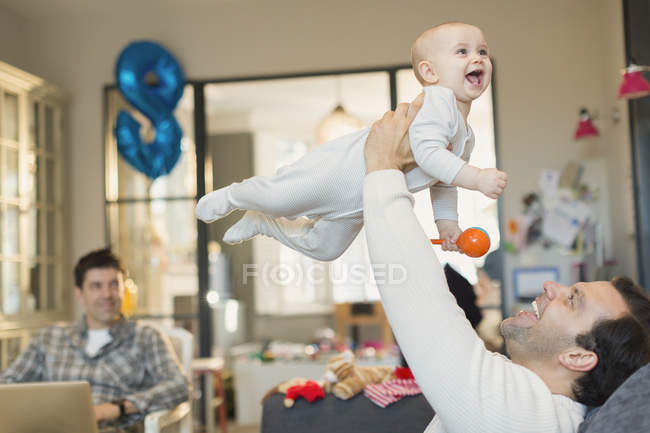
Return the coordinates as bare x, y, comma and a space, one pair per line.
101, 296
461, 61
562, 313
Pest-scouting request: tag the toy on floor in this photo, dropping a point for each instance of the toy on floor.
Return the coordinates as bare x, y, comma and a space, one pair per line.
347, 380
474, 242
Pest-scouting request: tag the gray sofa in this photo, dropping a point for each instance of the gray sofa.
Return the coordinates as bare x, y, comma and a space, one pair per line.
357, 415
625, 411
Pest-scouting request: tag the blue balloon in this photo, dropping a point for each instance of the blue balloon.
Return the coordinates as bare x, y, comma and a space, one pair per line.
157, 102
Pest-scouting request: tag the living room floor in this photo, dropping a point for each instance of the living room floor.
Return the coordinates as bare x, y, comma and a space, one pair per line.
233, 427
236, 428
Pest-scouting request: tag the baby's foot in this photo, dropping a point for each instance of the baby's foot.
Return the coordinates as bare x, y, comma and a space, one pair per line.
247, 227
214, 206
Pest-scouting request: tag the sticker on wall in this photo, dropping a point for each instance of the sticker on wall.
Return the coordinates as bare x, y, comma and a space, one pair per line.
152, 81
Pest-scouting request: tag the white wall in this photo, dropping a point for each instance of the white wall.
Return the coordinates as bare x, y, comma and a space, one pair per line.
552, 57
12, 38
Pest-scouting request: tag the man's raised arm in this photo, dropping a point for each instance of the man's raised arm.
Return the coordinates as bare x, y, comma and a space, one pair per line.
467, 386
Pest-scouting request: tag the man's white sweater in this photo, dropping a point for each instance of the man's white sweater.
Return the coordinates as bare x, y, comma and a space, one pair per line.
470, 388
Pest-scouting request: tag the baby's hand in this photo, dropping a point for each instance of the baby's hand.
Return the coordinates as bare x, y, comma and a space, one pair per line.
491, 182
449, 232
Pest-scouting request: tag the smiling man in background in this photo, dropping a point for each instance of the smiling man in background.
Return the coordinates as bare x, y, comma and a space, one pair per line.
131, 369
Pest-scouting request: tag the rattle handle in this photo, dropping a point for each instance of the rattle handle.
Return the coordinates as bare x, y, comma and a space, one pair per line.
437, 241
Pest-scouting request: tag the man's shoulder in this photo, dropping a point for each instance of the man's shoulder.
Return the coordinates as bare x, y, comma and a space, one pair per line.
55, 331
52, 335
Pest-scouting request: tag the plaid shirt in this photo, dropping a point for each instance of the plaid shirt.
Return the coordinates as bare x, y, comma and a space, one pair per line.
138, 365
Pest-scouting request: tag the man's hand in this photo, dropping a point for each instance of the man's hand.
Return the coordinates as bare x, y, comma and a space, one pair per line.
491, 182
449, 232
387, 145
106, 411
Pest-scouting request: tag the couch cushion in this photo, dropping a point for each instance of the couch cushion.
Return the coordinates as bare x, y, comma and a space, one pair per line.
625, 411
359, 415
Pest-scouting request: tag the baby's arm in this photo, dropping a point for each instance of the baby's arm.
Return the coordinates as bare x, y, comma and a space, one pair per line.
489, 181
444, 200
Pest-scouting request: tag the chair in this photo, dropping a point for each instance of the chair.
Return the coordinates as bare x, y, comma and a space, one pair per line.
212, 369
178, 419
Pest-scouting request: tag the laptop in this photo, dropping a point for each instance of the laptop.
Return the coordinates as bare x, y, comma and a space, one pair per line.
47, 407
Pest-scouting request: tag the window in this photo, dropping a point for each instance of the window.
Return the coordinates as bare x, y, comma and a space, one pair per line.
31, 200
151, 224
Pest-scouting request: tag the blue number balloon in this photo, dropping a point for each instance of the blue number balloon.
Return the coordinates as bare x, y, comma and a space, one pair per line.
157, 102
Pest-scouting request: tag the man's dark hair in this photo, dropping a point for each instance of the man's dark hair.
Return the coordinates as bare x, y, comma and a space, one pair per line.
103, 258
622, 346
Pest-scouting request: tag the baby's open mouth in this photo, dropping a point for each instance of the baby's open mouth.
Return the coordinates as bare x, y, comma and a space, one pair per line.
475, 77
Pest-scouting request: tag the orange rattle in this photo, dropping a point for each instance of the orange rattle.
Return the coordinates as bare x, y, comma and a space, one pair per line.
474, 242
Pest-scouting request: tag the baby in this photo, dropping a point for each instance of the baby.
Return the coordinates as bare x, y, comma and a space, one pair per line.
315, 205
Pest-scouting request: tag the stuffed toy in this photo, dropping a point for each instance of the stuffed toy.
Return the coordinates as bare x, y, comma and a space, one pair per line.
310, 391
297, 387
346, 380
403, 373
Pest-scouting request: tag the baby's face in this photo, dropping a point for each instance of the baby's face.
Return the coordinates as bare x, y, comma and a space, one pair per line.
461, 61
